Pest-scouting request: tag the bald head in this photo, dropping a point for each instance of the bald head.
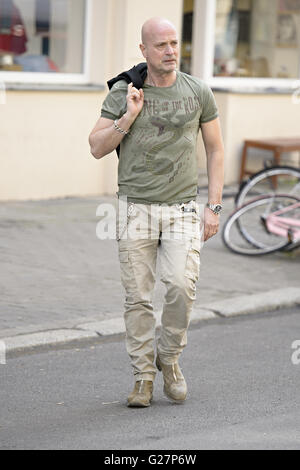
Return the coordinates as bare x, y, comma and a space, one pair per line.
154, 27
160, 47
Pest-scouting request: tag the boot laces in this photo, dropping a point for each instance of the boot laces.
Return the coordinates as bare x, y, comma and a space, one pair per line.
174, 373
141, 386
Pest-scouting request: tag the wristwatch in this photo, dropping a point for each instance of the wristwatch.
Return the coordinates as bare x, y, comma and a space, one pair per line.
216, 208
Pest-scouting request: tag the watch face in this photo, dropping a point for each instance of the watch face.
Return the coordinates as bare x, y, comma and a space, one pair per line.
218, 208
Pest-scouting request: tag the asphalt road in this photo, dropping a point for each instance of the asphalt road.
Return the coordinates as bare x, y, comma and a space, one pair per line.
243, 393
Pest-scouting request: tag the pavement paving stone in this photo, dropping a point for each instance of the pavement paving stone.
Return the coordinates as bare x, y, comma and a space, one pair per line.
56, 275
105, 327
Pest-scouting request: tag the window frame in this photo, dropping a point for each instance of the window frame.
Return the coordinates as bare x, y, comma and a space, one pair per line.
202, 65
58, 78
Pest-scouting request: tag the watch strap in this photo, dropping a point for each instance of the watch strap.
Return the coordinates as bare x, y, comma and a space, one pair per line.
215, 208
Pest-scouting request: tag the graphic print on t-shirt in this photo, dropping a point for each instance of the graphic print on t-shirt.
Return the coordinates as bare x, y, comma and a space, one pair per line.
165, 129
158, 158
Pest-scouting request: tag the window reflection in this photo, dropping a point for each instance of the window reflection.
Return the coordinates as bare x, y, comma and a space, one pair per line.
42, 36
257, 38
186, 43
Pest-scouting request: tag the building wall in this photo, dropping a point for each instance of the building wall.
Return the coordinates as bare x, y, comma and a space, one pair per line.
44, 146
125, 20
44, 150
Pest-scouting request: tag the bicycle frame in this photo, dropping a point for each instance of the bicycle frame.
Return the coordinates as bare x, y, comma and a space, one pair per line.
287, 227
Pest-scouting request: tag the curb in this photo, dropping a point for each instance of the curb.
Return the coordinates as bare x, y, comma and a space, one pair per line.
256, 303
242, 305
45, 338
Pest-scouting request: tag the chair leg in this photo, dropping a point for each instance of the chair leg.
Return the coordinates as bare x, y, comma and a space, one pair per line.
243, 163
277, 156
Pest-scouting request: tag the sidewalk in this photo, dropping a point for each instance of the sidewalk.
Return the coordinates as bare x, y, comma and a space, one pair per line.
59, 282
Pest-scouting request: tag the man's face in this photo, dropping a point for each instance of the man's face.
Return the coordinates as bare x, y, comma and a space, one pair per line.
161, 50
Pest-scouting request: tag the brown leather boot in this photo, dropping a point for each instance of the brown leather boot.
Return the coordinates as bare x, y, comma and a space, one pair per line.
141, 395
175, 386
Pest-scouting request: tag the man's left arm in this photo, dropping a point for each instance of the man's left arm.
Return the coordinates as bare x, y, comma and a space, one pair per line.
214, 147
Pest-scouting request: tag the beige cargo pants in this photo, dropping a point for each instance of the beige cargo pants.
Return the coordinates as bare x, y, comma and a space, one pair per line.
179, 227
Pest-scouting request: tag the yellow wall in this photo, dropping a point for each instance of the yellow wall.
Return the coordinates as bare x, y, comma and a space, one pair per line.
44, 146
44, 150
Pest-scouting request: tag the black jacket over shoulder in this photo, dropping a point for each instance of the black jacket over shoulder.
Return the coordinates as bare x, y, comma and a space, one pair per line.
137, 75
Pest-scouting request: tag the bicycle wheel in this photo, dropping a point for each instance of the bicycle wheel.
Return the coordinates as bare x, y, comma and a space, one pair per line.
273, 180
245, 231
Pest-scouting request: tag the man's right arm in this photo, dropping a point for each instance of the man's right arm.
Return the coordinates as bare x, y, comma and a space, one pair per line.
104, 138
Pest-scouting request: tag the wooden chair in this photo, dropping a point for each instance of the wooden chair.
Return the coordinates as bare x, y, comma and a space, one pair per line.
276, 145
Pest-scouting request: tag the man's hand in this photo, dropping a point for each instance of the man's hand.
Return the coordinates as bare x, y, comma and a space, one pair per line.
135, 101
211, 223
104, 138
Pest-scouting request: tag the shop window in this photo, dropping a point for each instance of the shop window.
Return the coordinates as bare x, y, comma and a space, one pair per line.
45, 36
257, 38
187, 37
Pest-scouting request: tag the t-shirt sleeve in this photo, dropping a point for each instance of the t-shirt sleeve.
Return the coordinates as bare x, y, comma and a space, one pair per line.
210, 110
115, 105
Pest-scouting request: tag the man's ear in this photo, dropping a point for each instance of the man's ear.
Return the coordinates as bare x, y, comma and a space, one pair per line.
143, 50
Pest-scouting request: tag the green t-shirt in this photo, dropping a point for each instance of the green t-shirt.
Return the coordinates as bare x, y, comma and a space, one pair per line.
158, 158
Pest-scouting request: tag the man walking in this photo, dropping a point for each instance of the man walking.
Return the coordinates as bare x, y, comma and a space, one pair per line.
156, 127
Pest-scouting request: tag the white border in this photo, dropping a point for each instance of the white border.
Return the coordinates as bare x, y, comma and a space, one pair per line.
62, 78
203, 57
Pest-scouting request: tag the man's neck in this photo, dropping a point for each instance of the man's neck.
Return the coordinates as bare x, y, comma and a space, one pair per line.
161, 80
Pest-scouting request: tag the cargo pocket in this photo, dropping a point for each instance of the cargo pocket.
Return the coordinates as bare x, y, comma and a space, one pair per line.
192, 267
123, 256
127, 274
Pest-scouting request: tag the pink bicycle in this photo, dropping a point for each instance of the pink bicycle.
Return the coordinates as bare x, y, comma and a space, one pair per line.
264, 225
286, 227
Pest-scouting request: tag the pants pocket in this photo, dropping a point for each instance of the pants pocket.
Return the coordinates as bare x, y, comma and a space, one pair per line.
192, 267
127, 274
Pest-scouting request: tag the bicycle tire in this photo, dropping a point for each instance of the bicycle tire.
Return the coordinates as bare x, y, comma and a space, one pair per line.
251, 184
251, 246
